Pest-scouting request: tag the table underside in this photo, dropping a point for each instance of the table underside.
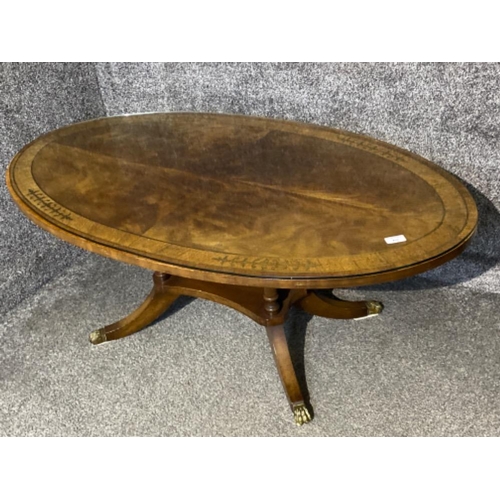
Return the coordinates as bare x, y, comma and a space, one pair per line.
267, 306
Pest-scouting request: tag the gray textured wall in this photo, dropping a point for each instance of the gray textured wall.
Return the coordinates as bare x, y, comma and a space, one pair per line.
449, 113
36, 98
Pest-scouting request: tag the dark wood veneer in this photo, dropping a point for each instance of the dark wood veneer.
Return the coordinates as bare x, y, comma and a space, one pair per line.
256, 214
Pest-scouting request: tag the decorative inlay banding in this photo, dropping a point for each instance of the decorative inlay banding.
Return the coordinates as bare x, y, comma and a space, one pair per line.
42, 201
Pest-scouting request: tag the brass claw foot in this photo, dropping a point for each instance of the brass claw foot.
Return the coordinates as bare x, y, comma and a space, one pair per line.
374, 307
97, 337
156, 303
301, 414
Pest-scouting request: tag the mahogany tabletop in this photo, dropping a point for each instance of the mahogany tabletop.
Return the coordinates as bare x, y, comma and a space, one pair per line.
243, 200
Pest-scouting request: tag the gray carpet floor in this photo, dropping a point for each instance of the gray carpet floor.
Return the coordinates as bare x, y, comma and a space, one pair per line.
429, 365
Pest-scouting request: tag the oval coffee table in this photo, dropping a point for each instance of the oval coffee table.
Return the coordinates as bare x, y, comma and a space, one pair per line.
260, 215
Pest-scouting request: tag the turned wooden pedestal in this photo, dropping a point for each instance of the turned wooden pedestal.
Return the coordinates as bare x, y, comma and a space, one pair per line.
267, 306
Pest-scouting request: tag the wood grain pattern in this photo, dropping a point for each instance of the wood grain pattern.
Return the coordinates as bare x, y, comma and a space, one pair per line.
243, 200
252, 213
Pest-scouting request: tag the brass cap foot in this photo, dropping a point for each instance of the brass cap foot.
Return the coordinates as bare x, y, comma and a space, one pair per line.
301, 415
374, 307
97, 337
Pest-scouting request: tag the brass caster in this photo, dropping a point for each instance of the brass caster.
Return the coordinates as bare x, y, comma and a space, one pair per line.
301, 414
374, 307
97, 337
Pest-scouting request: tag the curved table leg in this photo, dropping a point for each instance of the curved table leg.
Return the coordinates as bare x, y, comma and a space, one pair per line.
329, 306
156, 303
279, 344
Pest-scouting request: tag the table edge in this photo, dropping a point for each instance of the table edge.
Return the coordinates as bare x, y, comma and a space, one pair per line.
231, 278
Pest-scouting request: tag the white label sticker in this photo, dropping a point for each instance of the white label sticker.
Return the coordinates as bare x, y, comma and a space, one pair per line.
395, 239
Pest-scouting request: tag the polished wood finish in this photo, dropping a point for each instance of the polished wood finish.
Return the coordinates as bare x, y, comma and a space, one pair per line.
259, 215
271, 298
286, 370
268, 307
156, 303
243, 200
318, 303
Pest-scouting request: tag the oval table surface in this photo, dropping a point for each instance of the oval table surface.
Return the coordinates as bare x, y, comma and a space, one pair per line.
243, 200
